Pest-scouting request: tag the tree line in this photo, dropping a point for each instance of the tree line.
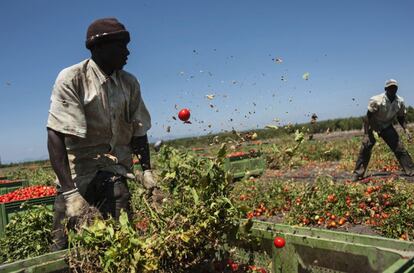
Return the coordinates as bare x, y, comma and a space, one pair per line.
339, 124
332, 125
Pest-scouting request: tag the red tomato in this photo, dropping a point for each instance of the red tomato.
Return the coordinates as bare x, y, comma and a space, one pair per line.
184, 114
234, 266
27, 193
279, 242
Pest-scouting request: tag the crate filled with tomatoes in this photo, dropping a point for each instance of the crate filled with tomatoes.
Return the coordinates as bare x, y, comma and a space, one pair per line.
21, 199
8, 185
242, 164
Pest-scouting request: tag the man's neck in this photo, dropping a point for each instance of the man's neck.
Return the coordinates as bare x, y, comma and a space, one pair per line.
108, 71
391, 98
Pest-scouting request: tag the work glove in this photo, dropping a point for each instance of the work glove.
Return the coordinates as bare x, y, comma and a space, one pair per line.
75, 204
148, 180
154, 192
409, 135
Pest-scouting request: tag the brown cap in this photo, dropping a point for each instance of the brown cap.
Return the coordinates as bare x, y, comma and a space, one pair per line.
105, 29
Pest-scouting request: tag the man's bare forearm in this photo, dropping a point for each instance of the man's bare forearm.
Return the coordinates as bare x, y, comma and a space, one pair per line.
59, 158
140, 147
403, 122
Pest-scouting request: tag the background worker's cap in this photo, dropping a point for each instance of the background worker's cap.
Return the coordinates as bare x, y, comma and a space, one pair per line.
105, 29
391, 82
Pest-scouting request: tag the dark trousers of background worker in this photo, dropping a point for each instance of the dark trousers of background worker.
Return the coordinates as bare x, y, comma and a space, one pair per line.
107, 192
391, 137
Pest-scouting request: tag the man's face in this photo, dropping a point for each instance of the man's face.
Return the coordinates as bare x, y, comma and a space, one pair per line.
114, 53
391, 91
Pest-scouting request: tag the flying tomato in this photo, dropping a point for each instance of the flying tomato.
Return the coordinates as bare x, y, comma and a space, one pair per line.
184, 114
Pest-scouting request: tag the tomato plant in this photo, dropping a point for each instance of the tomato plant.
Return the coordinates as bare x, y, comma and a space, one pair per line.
175, 239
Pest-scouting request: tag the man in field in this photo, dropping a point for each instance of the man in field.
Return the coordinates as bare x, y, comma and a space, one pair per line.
97, 120
382, 111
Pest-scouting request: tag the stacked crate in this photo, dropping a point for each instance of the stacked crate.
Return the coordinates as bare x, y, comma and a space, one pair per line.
7, 210
242, 164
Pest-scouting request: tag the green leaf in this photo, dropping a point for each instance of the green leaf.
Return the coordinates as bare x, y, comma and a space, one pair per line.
123, 219
195, 196
185, 238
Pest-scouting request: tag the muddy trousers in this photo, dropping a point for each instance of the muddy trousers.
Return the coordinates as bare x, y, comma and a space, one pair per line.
391, 137
107, 191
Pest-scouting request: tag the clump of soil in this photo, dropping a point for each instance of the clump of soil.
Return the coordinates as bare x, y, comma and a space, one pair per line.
87, 219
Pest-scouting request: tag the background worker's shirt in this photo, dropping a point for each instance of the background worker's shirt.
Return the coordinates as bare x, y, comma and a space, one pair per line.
100, 115
384, 111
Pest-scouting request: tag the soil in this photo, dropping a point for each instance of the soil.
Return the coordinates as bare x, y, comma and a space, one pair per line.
361, 229
309, 172
352, 228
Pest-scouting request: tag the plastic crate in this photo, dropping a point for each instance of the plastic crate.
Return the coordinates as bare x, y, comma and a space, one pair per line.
245, 165
306, 250
13, 185
319, 250
49, 263
7, 210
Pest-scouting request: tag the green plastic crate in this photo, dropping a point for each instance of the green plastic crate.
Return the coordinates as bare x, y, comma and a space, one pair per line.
245, 165
49, 263
306, 250
16, 184
319, 250
7, 210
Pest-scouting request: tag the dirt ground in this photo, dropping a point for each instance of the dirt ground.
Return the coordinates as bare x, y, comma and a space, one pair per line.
358, 229
309, 172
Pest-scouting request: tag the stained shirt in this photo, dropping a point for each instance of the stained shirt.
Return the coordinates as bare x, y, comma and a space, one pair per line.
384, 111
99, 115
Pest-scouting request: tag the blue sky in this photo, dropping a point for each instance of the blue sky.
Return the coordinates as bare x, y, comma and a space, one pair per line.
183, 50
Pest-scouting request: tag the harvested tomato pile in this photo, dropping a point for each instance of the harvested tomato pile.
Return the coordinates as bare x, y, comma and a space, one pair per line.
390, 168
376, 205
251, 153
6, 181
236, 154
232, 266
28, 193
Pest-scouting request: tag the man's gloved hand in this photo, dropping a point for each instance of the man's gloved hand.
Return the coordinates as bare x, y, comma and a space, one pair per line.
148, 180
154, 193
409, 135
75, 204
157, 198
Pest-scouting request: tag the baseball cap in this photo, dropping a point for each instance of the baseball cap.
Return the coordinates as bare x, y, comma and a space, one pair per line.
391, 82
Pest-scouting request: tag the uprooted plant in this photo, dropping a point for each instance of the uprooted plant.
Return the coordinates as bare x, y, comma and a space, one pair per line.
190, 229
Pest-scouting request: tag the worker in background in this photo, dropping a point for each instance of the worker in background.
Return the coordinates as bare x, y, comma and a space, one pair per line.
382, 111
